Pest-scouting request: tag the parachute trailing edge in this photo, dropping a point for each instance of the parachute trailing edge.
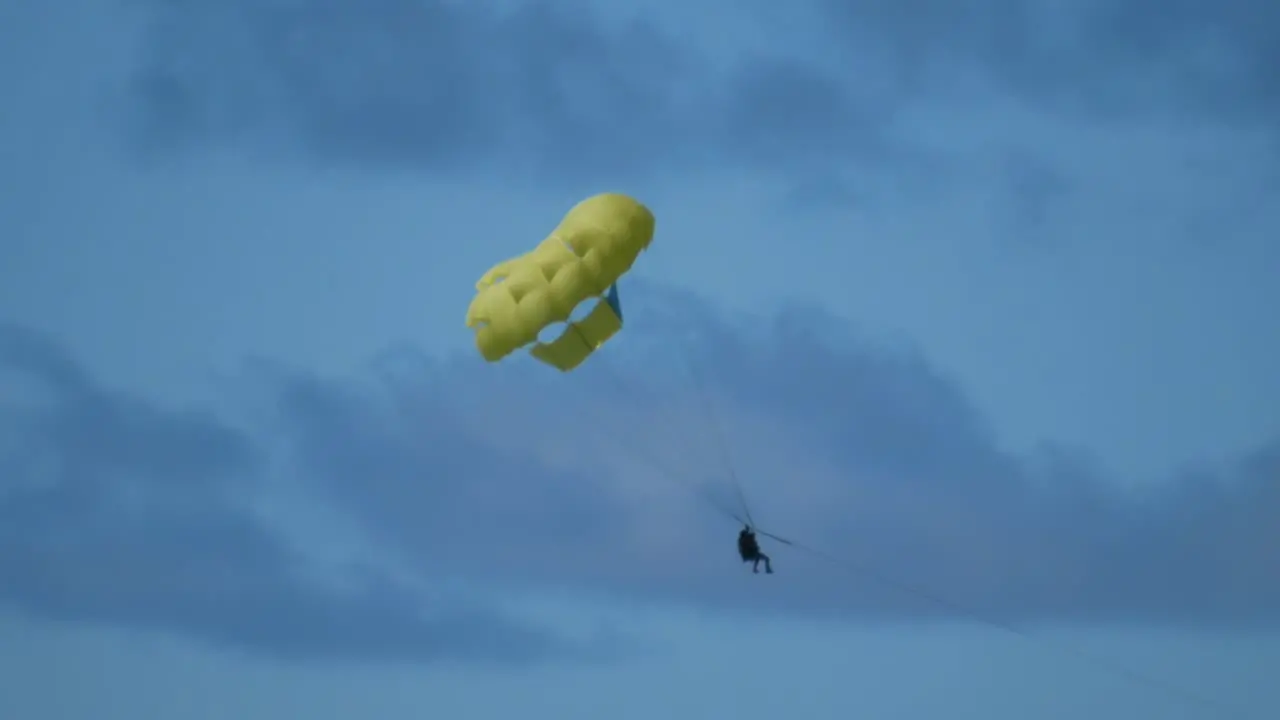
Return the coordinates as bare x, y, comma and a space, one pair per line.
595, 244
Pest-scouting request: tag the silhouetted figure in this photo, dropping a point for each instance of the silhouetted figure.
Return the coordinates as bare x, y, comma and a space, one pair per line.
749, 549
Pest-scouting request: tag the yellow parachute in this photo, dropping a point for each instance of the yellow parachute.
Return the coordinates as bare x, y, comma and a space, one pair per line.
595, 244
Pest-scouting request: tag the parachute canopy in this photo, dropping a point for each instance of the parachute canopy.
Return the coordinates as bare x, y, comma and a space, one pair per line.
581, 260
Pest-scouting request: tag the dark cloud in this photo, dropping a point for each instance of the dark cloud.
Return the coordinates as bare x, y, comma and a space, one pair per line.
1179, 59
884, 463
513, 476
443, 86
551, 92
548, 89
115, 511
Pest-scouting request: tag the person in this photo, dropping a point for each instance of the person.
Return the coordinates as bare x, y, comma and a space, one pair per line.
749, 549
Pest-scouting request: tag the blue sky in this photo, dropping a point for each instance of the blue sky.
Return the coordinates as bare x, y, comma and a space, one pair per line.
982, 298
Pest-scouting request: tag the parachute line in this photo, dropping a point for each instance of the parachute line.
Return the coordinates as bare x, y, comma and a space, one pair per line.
699, 492
722, 441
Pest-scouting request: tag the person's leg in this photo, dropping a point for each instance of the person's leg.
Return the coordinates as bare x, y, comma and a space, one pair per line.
768, 566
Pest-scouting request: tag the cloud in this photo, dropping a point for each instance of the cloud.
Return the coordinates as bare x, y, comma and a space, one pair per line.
443, 86
597, 481
115, 511
843, 105
610, 480
555, 90
1174, 60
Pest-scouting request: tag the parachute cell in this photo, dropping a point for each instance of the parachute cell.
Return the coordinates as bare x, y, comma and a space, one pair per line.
596, 243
